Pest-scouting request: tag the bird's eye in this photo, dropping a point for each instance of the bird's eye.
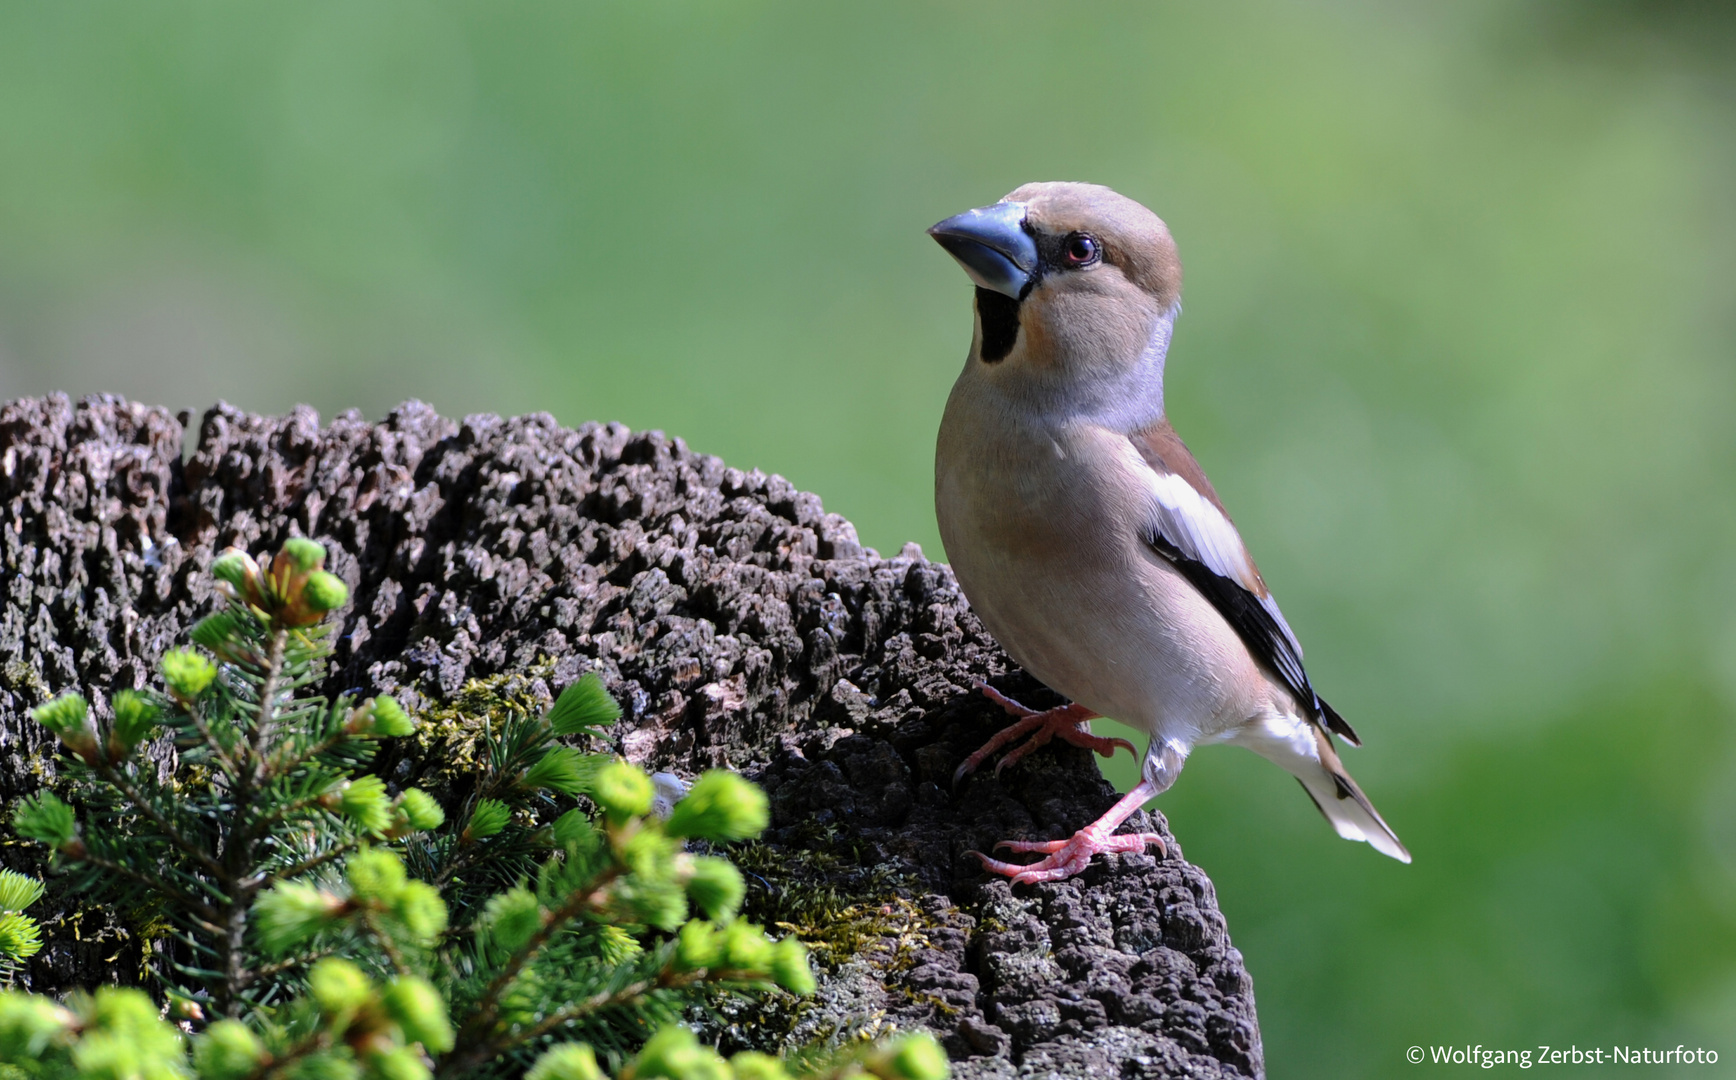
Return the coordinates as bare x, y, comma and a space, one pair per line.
1082, 250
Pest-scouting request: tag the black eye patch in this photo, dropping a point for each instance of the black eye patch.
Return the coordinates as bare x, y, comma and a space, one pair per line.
1068, 251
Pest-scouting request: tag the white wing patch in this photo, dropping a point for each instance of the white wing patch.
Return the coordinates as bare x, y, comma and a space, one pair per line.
1201, 532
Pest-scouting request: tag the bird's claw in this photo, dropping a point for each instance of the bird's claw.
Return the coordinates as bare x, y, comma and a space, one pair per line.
1011, 707
1065, 858
1069, 722
1104, 745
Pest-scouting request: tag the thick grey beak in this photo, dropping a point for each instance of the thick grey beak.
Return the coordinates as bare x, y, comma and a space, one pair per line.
992, 245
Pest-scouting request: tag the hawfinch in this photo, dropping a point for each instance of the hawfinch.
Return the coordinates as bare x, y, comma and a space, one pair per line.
1087, 537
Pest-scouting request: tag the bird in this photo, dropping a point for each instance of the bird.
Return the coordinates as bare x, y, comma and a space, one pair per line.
1088, 539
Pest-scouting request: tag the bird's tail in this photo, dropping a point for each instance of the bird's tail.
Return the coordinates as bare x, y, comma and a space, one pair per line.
1342, 803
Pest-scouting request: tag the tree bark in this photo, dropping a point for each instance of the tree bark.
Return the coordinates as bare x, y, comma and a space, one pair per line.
738, 623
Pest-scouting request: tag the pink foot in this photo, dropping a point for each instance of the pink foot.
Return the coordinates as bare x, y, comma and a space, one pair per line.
1071, 722
1064, 858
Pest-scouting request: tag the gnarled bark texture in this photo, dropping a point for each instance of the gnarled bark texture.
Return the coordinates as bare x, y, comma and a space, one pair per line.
738, 623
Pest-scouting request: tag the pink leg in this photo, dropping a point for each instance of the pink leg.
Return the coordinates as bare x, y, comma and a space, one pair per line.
1071, 722
1064, 858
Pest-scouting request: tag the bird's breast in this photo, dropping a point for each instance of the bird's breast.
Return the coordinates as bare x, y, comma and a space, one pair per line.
1041, 527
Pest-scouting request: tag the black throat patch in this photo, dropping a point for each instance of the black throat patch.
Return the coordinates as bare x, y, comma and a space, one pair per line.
1000, 318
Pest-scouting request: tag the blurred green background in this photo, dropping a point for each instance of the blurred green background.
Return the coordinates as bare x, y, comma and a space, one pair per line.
1457, 352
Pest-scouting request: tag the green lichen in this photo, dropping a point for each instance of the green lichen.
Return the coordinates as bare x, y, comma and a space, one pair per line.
455, 723
451, 733
23, 678
839, 909
861, 925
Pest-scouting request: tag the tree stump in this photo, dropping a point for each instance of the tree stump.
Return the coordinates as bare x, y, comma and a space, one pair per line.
739, 625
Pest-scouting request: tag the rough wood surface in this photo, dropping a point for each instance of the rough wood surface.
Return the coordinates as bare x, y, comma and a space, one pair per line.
738, 623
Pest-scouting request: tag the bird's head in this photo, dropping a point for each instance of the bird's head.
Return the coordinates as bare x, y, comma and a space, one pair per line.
1077, 287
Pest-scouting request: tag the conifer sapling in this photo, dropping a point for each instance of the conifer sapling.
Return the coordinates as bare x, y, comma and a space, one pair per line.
329, 926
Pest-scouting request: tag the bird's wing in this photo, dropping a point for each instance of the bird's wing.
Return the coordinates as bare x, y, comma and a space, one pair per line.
1189, 526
